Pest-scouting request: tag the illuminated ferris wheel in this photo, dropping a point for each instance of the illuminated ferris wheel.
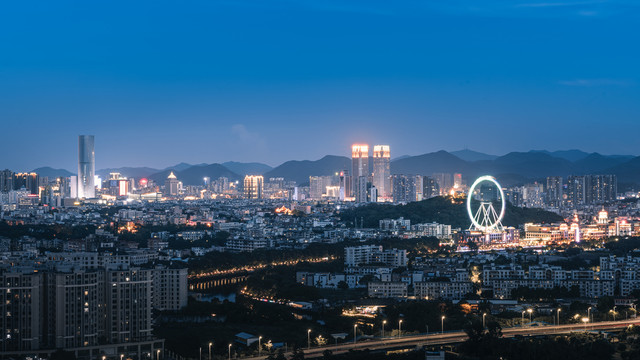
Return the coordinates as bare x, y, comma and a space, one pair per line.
486, 218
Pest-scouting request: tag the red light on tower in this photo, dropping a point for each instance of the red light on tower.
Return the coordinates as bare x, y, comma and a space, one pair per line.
143, 182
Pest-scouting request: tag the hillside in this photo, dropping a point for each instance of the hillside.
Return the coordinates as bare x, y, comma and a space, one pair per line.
299, 171
253, 168
441, 210
51, 172
194, 175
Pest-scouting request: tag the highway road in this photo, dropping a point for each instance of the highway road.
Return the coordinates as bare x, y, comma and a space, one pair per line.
459, 336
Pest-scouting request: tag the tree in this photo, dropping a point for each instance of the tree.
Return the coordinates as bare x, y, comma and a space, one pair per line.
298, 354
327, 355
343, 285
605, 303
62, 355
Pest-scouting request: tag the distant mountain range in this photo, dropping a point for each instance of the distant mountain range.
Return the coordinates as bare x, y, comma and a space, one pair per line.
299, 171
512, 168
51, 172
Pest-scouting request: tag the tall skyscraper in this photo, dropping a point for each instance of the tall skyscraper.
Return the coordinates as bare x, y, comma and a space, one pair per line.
6, 180
359, 164
86, 167
382, 170
575, 191
171, 185
253, 186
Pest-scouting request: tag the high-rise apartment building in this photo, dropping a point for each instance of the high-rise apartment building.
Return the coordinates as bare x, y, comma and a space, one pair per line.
6, 180
591, 189
404, 188
359, 164
600, 189
444, 181
19, 316
430, 187
253, 186
382, 170
29, 181
86, 167
554, 190
362, 189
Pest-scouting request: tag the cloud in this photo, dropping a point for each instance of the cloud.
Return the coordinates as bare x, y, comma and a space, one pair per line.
247, 137
597, 82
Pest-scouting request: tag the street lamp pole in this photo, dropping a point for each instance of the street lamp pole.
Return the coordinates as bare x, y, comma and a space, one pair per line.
229, 351
530, 311
522, 321
210, 343
158, 354
199, 356
400, 328
442, 324
259, 345
383, 322
589, 314
355, 327
309, 339
483, 323
558, 315
614, 313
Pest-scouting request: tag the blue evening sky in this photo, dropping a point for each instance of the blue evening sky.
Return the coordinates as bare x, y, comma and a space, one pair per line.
160, 82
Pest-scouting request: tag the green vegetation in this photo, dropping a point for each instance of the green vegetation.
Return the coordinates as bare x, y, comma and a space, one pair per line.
578, 346
443, 210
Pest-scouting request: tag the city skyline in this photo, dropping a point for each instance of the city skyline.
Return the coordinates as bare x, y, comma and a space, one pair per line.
208, 88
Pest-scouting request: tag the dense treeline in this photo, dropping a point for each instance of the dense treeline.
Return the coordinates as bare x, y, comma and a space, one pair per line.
443, 210
577, 346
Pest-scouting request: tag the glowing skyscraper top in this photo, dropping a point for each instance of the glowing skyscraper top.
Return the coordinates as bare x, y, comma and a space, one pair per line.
382, 170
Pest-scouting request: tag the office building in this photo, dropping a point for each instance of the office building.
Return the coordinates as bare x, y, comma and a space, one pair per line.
171, 185
86, 167
382, 170
253, 186
359, 164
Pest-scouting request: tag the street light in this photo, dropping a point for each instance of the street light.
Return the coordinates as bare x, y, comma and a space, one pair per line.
483, 316
259, 345
558, 314
158, 354
308, 338
383, 323
229, 351
585, 321
355, 326
530, 311
400, 328
442, 323
614, 313
210, 343
200, 356
121, 356
589, 314
522, 321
